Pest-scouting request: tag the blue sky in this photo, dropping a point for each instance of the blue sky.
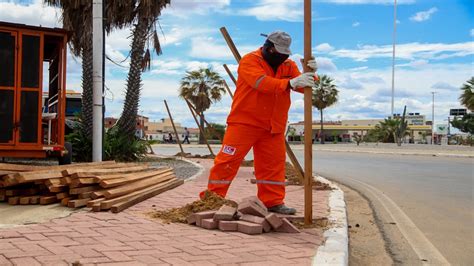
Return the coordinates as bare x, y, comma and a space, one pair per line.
352, 41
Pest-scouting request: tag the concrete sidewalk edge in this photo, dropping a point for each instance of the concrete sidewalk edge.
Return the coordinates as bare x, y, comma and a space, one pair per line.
335, 250
193, 177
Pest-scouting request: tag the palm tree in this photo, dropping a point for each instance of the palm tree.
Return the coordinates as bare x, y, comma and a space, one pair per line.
144, 15
77, 18
325, 94
388, 129
202, 87
467, 96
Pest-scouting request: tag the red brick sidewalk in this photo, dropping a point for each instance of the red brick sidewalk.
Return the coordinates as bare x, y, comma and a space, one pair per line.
131, 238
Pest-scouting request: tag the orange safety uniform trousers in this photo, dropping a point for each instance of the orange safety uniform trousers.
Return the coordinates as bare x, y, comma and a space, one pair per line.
269, 162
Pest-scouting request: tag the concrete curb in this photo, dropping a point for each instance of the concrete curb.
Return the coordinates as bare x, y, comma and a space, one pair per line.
201, 169
406, 153
335, 250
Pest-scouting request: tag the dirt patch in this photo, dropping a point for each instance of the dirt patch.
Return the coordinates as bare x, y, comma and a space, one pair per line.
293, 178
321, 223
211, 201
366, 244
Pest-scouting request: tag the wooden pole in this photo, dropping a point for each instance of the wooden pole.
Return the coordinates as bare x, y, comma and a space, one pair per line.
201, 130
207, 123
231, 44
308, 121
237, 56
174, 128
230, 74
228, 90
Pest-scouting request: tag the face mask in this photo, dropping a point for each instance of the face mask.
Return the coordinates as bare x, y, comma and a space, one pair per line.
274, 59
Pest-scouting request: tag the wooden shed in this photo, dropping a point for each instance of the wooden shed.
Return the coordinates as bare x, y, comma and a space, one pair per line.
32, 63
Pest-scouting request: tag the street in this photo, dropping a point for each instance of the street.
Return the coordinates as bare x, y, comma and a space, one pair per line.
424, 203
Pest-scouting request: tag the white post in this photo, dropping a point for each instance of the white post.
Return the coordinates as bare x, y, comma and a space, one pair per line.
432, 119
97, 53
393, 54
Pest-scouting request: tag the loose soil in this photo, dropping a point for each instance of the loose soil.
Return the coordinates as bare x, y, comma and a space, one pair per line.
189, 155
366, 243
211, 201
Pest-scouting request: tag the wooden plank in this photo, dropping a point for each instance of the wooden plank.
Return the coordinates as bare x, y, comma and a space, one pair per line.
37, 175
18, 167
24, 200
129, 178
34, 199
108, 203
65, 201
58, 188
62, 195
52, 182
137, 185
85, 195
77, 182
75, 191
98, 194
90, 203
3, 198
118, 207
48, 200
94, 172
13, 200
66, 180
77, 203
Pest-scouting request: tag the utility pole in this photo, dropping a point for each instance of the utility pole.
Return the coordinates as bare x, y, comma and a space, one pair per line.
393, 54
432, 119
97, 76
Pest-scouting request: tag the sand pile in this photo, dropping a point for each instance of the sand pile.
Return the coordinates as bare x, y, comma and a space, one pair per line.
211, 201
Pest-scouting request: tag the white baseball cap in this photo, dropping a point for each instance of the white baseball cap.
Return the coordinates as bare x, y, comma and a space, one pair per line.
281, 40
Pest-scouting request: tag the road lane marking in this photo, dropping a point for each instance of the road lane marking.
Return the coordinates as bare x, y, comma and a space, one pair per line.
417, 240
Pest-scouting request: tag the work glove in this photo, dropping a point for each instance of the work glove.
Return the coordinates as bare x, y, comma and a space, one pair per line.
302, 81
313, 65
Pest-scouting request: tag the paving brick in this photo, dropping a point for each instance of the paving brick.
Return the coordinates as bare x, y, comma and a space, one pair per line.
249, 207
204, 215
249, 228
4, 261
25, 262
209, 224
256, 200
35, 236
147, 259
257, 220
273, 220
287, 227
228, 225
85, 251
191, 219
116, 256
225, 213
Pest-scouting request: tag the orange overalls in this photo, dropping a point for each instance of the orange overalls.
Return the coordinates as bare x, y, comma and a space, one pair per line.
257, 119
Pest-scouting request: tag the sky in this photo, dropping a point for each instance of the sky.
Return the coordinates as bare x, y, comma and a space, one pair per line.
351, 39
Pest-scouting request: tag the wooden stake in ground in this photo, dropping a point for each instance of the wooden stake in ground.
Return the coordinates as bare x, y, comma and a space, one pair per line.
201, 130
308, 121
174, 128
228, 90
207, 123
237, 56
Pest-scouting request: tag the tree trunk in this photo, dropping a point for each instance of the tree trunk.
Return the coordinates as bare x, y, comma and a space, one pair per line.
128, 119
201, 122
87, 86
322, 127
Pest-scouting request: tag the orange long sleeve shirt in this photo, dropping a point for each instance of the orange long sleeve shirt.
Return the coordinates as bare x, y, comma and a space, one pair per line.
262, 97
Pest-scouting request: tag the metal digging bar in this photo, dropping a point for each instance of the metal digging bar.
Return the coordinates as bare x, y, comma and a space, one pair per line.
237, 56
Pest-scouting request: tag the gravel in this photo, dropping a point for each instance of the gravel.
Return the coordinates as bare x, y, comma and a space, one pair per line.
183, 169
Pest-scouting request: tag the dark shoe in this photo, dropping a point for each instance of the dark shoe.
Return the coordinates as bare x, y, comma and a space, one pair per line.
282, 209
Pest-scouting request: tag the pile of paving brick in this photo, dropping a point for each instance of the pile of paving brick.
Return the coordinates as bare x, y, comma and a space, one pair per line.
250, 217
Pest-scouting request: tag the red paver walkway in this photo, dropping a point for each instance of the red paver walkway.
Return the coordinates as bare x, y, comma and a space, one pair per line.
131, 238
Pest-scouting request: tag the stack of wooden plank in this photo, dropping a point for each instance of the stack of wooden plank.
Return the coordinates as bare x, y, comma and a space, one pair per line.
100, 186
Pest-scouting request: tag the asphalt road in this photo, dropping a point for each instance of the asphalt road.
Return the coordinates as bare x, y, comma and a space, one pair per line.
423, 204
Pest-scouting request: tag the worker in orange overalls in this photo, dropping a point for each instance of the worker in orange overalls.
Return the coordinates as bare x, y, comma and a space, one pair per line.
258, 120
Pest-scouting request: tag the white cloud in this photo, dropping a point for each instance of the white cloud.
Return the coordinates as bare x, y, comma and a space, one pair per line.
273, 10
424, 15
356, 24
208, 48
35, 13
324, 48
408, 51
183, 8
363, 2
